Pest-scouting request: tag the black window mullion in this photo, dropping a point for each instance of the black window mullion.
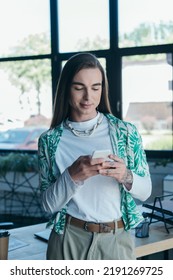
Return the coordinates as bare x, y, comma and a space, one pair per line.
55, 60
113, 62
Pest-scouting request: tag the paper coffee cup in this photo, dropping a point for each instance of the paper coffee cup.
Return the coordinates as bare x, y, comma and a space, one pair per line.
4, 240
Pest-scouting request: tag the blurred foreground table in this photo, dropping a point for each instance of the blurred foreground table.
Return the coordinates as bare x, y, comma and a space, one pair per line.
25, 246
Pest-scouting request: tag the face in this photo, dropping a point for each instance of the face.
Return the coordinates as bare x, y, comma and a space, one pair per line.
85, 94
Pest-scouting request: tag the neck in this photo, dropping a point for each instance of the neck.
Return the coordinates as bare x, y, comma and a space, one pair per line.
86, 132
83, 118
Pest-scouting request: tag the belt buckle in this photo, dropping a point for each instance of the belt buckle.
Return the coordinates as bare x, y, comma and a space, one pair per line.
86, 225
104, 228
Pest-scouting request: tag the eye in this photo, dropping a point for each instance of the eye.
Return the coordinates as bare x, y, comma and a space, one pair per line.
78, 88
95, 88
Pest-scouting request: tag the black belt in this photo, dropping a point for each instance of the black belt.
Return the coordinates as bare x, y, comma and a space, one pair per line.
95, 227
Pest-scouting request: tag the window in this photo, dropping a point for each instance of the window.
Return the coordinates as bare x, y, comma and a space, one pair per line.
147, 98
132, 39
24, 27
145, 22
25, 93
83, 25
25, 72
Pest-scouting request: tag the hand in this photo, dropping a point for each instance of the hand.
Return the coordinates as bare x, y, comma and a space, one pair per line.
118, 170
85, 167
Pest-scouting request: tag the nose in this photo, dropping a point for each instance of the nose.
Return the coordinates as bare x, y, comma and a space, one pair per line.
87, 94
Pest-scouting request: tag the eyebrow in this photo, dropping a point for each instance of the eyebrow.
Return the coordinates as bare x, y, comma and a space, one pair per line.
81, 84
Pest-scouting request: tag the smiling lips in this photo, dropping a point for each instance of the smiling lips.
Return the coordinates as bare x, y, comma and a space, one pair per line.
85, 105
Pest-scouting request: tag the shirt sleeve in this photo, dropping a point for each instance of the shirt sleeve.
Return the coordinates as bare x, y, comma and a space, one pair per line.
56, 190
59, 193
137, 163
141, 187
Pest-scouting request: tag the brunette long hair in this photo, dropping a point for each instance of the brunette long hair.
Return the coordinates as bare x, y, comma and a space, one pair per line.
72, 67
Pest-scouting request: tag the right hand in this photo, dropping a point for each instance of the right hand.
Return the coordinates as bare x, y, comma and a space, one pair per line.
85, 167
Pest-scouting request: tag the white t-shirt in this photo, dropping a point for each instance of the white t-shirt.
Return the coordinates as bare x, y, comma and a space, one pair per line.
99, 197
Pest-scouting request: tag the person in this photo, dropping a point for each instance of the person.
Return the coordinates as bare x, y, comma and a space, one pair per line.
91, 200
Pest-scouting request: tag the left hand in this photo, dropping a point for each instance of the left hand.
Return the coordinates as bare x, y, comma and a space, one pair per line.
116, 168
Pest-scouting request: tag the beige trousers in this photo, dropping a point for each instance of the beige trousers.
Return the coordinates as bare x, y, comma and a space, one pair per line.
78, 244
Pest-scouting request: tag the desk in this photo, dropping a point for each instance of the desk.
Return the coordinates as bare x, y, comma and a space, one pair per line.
35, 249
157, 241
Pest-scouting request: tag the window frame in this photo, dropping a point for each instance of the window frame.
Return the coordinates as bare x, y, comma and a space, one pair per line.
113, 57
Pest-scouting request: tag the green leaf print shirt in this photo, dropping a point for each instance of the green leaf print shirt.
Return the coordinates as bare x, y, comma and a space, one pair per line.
126, 143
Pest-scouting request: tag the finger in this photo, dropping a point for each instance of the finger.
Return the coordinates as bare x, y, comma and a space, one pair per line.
113, 164
106, 172
95, 161
116, 158
109, 164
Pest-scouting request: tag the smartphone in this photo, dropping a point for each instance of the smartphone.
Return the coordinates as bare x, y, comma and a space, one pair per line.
102, 154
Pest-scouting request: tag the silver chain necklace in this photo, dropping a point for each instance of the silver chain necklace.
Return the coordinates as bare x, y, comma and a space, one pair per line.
83, 133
